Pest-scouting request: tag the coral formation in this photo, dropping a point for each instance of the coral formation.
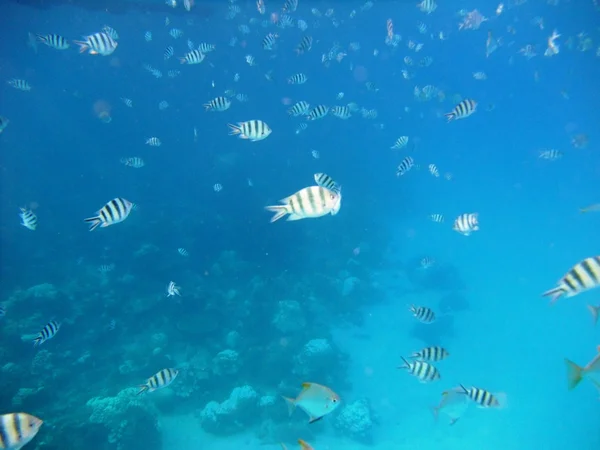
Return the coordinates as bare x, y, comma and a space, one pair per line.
355, 421
232, 415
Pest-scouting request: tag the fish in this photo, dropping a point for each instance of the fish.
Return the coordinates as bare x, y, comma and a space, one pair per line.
550, 155
97, 44
341, 112
485, 399
168, 53
592, 208
401, 142
206, 48
135, 161
466, 223
422, 313
463, 110
28, 219
153, 142
193, 57
433, 170
298, 109
270, 41
54, 41
427, 262
324, 180
21, 85
425, 372
438, 218
308, 203
427, 6
405, 165
298, 78
218, 104
3, 123
253, 130
2, 311
18, 429
318, 112
434, 353
159, 380
305, 45
595, 311
173, 289
575, 373
315, 400
115, 211
583, 276
305, 445
48, 332
454, 403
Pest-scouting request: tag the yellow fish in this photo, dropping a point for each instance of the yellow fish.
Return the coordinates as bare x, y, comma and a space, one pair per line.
576, 373
315, 400
303, 445
454, 403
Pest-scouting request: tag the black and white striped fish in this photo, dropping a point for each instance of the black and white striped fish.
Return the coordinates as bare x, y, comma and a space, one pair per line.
111, 32
17, 430
19, 84
324, 180
28, 219
462, 110
298, 78
48, 332
422, 313
54, 40
318, 112
583, 276
168, 54
400, 142
253, 130
433, 170
305, 45
135, 161
289, 6
466, 223
193, 57
97, 44
308, 203
438, 218
115, 211
218, 104
427, 6
434, 353
160, 380
405, 165
483, 398
299, 109
206, 48
425, 372
183, 252
341, 112
268, 43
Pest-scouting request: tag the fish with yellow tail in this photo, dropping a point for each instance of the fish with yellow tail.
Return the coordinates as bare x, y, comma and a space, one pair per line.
17, 430
308, 203
582, 277
575, 373
454, 403
315, 400
303, 445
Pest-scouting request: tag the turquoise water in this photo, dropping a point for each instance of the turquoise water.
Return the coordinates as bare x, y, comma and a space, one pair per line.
265, 307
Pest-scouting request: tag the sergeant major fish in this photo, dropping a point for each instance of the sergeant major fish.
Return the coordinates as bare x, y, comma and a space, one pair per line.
582, 277
17, 430
48, 332
28, 219
115, 211
308, 203
97, 44
159, 380
253, 130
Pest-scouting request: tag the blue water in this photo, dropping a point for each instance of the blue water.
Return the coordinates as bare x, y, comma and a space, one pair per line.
346, 279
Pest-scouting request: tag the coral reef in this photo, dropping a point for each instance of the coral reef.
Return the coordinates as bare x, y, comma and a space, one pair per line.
234, 414
355, 421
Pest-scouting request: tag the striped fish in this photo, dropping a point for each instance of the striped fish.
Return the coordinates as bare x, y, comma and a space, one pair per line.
111, 32
48, 332
160, 380
422, 313
28, 219
425, 372
193, 57
269, 41
434, 353
438, 218
253, 130
400, 142
2, 311
98, 44
405, 165
463, 110
289, 6
206, 48
305, 45
341, 112
17, 430
324, 180
115, 211
308, 203
19, 84
583, 276
483, 398
298, 78
168, 54
3, 123
427, 6
135, 161
54, 40
318, 112
218, 104
466, 223
299, 109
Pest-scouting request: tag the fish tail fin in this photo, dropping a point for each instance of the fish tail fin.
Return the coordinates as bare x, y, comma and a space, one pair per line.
143, 388
594, 310
94, 222
279, 210
83, 46
574, 374
406, 364
502, 400
207, 106
449, 117
41, 37
554, 293
37, 341
291, 404
234, 129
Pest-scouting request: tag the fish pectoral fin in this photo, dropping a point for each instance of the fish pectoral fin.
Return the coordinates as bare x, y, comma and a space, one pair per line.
314, 419
291, 404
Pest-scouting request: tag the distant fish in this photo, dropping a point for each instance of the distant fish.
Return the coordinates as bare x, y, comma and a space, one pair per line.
97, 44
485, 399
206, 48
173, 290
160, 380
183, 252
253, 130
425, 372
193, 57
135, 161
269, 41
115, 211
54, 40
438, 218
218, 104
298, 78
427, 262
401, 142
298, 109
305, 45
48, 332
592, 208
2, 311
153, 142
168, 52
434, 353
106, 268
422, 313
341, 112
583, 276
308, 203
17, 430
466, 223
315, 400
324, 180
433, 170
28, 219
318, 112
405, 165
19, 84
427, 6
551, 154
463, 110
3, 123
454, 403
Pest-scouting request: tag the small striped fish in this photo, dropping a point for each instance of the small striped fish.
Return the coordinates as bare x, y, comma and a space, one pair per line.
19, 84
463, 110
427, 6
405, 165
206, 48
135, 161
308, 203
98, 44
400, 142
299, 109
298, 78
115, 211
168, 54
422, 313
218, 104
253, 130
17, 430
324, 180
160, 380
341, 112
153, 142
193, 57
425, 372
466, 223
583, 276
54, 40
289, 6
434, 353
28, 219
2, 311
183, 252
437, 218
483, 398
48, 332
305, 45
318, 112
427, 262
269, 41
433, 170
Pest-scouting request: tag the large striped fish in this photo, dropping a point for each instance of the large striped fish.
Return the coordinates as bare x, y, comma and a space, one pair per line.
17, 429
115, 211
159, 380
48, 332
97, 44
308, 203
583, 276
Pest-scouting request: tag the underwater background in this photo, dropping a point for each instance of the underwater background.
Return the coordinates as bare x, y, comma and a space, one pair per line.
265, 307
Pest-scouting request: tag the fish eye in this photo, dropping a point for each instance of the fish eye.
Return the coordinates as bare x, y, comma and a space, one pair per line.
334, 400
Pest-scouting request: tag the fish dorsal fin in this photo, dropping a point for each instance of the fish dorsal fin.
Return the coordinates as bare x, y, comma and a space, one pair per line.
306, 385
